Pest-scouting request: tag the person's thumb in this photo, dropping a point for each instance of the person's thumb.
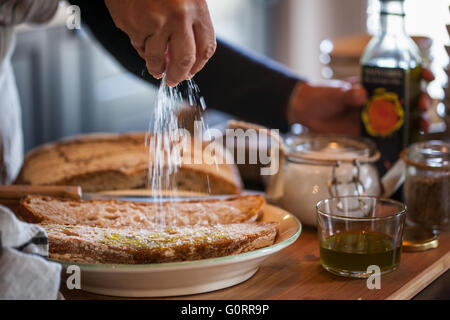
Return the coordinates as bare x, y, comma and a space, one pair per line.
354, 97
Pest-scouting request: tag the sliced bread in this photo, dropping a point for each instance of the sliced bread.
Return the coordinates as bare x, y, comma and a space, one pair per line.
147, 215
106, 245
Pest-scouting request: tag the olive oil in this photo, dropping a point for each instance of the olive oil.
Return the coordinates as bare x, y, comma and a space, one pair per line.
354, 252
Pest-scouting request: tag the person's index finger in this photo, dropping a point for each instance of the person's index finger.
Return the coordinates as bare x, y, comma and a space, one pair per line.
155, 54
182, 56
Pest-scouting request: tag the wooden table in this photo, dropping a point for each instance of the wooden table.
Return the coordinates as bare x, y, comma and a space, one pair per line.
295, 273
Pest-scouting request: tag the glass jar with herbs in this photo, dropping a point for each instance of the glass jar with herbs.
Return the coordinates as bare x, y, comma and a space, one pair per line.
427, 184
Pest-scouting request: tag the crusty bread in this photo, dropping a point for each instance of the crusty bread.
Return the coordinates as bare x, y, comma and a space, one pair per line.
99, 162
107, 245
110, 231
118, 214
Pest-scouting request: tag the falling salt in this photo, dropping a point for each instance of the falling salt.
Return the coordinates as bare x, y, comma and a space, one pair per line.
163, 140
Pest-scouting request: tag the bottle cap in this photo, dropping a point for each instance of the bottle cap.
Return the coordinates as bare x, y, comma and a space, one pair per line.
419, 239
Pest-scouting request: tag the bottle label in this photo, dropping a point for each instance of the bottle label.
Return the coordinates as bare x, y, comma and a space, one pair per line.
384, 113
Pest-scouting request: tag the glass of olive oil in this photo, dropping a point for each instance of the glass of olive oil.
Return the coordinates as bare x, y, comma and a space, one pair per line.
358, 232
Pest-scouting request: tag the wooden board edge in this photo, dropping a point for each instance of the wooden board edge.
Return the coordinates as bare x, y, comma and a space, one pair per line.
422, 280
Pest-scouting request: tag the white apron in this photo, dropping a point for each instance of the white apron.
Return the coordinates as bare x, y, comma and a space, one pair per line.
12, 13
11, 140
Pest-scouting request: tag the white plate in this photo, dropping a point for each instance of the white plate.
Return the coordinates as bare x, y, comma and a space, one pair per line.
188, 277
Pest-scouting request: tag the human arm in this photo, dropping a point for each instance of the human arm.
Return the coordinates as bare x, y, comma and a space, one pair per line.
234, 81
247, 85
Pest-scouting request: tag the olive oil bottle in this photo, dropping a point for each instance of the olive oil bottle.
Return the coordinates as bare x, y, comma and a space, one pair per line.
391, 73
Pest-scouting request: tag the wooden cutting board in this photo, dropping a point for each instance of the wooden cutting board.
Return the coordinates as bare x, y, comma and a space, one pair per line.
295, 273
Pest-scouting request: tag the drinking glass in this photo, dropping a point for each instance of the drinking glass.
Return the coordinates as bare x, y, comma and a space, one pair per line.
358, 232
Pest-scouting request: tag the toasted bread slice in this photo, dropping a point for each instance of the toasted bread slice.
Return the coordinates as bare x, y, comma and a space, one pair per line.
125, 246
146, 215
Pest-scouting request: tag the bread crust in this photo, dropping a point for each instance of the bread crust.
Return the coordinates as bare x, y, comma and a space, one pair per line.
224, 178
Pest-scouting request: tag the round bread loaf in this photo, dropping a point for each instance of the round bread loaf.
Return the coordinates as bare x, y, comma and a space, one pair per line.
100, 162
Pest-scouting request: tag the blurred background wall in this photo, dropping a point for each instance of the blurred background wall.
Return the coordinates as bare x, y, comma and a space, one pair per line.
68, 84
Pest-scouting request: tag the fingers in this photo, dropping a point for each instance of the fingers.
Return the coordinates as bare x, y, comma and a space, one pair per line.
427, 75
425, 123
140, 50
344, 93
155, 54
425, 102
182, 56
205, 41
354, 97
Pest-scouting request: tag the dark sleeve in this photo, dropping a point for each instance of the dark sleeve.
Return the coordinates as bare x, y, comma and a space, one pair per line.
235, 81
